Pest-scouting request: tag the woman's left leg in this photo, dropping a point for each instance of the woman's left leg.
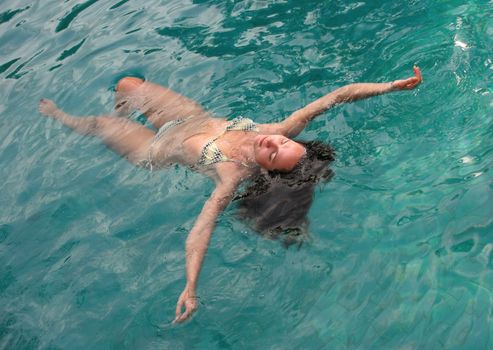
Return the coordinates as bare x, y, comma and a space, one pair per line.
158, 103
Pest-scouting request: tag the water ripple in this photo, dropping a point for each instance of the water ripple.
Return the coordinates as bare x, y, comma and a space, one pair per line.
72, 15
400, 256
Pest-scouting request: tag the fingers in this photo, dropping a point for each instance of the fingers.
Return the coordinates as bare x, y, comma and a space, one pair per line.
412, 82
183, 317
409, 81
186, 315
190, 308
179, 306
417, 73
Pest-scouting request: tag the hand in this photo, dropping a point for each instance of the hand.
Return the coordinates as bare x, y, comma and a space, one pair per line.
190, 302
409, 83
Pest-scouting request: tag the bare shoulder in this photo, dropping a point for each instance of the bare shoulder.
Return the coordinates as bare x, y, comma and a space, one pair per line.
230, 175
272, 129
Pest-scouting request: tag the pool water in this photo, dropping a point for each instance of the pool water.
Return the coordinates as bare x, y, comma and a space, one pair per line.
400, 256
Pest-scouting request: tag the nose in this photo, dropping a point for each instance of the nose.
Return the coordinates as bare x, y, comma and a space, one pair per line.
269, 143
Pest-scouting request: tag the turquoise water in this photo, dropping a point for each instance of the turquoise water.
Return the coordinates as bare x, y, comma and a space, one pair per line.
91, 249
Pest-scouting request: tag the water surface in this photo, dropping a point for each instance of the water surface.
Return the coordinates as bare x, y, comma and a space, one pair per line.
91, 249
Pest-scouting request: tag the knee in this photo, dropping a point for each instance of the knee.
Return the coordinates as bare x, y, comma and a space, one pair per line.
128, 84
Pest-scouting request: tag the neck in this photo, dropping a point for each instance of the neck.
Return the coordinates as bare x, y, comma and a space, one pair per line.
242, 149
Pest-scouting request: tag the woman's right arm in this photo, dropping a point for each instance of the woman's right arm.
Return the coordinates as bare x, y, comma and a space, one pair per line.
197, 243
297, 121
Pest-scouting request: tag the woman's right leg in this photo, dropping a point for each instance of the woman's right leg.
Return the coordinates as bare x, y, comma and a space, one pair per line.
129, 139
157, 103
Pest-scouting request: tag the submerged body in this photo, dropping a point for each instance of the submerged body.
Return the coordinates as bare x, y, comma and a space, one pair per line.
227, 151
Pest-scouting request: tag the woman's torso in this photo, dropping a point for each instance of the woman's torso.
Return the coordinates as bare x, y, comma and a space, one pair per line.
181, 143
184, 141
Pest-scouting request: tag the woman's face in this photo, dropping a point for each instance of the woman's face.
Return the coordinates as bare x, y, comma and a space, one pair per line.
277, 152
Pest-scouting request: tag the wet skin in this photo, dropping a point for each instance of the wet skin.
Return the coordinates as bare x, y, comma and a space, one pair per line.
277, 152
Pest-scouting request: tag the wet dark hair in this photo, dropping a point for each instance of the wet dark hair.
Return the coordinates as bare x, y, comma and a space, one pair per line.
276, 203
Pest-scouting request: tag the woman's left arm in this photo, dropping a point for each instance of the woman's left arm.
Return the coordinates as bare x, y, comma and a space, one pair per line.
197, 244
297, 121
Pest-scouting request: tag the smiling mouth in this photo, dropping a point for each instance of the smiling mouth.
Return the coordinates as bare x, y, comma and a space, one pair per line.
262, 141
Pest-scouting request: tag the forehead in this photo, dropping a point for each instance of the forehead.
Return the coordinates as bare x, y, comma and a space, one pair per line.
289, 156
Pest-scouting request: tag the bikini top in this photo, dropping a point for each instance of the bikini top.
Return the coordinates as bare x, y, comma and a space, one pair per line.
211, 154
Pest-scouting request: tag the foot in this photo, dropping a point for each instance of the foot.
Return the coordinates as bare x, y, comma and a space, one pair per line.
47, 107
122, 109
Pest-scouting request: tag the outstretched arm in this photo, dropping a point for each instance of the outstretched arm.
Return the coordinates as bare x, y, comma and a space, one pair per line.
297, 121
197, 244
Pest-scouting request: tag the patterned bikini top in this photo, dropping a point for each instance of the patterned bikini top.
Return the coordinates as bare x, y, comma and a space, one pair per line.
211, 154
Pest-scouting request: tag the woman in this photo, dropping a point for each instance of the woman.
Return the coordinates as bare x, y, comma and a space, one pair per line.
227, 151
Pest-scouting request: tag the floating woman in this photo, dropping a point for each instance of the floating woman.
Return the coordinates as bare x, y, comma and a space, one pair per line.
282, 172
